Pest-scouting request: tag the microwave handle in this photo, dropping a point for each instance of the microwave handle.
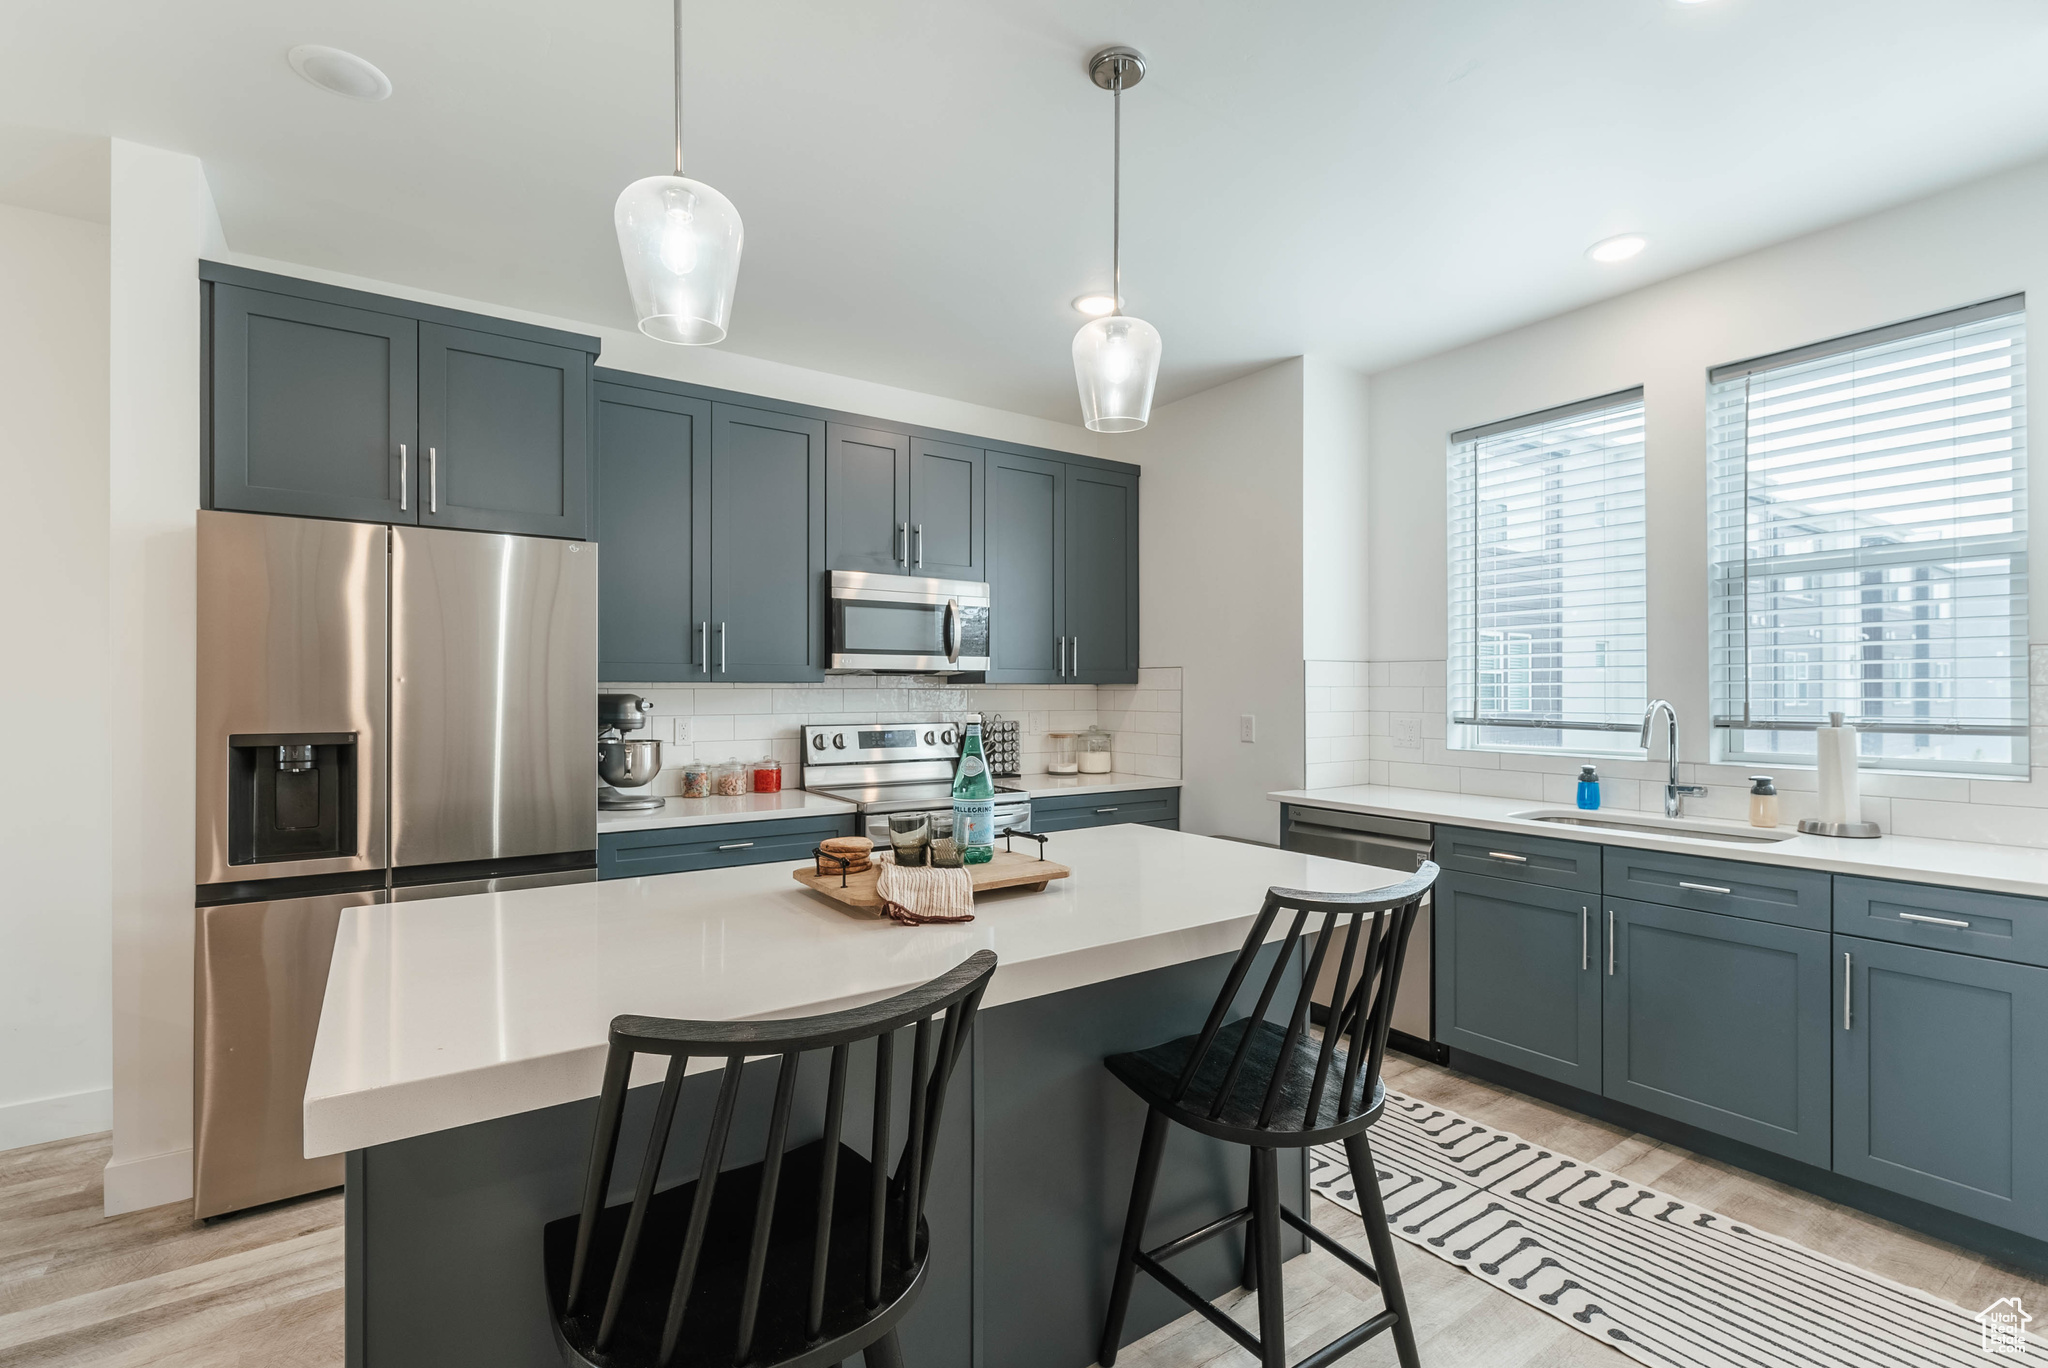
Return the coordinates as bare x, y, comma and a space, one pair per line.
952, 631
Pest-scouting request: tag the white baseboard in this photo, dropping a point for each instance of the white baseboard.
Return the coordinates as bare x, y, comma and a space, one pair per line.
56, 1118
154, 1179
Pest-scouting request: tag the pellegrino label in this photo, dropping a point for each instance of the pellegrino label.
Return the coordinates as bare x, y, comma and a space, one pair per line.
974, 801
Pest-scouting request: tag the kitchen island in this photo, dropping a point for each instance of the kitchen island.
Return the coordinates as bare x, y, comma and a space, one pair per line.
461, 1048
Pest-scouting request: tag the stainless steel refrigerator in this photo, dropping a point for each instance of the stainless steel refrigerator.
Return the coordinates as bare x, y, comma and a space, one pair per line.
385, 713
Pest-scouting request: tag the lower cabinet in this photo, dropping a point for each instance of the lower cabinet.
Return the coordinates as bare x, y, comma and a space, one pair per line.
676, 850
1940, 1089
1069, 812
1720, 1022
1517, 975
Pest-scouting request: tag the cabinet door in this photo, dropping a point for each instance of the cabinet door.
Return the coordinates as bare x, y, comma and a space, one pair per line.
1518, 975
1102, 576
506, 434
1939, 1088
946, 497
867, 500
313, 408
1720, 1022
767, 545
1026, 569
653, 527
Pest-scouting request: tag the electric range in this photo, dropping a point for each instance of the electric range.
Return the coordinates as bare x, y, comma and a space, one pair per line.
892, 767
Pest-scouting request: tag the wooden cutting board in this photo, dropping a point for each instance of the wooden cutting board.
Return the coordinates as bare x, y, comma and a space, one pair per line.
1008, 869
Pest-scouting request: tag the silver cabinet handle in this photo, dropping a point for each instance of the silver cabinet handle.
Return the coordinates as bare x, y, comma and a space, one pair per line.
1848, 987
1932, 921
737, 845
404, 477
721, 648
1063, 657
1585, 952
1074, 656
1610, 942
906, 546
1503, 855
1105, 809
704, 641
1703, 888
920, 546
433, 481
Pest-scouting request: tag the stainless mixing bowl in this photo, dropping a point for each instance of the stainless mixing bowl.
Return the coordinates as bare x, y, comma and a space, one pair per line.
628, 764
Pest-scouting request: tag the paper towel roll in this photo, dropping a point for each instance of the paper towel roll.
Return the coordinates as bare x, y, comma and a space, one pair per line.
1839, 799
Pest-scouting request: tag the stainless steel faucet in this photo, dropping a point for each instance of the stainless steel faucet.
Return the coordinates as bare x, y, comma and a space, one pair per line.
1674, 792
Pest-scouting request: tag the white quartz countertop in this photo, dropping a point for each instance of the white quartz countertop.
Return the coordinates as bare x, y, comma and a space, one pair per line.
1053, 785
745, 807
1956, 864
449, 1011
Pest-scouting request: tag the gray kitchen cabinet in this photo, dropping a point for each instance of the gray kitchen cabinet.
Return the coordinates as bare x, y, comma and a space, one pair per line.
1939, 1088
677, 850
1572, 865
312, 407
1027, 573
867, 500
1969, 922
947, 497
505, 432
1720, 1022
1102, 576
1795, 897
767, 545
1072, 811
652, 520
1518, 975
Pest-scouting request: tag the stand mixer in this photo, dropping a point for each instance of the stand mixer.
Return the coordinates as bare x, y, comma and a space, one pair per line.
620, 761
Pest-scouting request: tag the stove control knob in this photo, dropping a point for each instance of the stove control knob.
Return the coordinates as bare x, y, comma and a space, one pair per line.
838, 740
927, 738
818, 741
947, 736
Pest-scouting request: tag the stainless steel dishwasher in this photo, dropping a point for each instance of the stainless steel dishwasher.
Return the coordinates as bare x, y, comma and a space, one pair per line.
1391, 843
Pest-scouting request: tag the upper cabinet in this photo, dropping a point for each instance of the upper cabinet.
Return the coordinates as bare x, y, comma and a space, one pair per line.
947, 495
653, 523
330, 403
768, 502
1063, 571
867, 500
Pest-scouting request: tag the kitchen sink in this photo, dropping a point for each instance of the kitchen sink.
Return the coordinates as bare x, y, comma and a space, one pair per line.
1650, 825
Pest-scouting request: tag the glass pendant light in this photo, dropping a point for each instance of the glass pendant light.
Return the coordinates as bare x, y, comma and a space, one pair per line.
1116, 357
680, 240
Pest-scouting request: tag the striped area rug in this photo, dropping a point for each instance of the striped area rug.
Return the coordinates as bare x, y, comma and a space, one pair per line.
1665, 1282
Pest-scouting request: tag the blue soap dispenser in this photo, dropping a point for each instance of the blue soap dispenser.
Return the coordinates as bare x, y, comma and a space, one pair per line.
1589, 788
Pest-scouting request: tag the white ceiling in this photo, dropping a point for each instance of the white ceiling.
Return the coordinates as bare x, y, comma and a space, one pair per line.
925, 183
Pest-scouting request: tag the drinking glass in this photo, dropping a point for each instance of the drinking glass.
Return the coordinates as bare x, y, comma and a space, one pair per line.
909, 837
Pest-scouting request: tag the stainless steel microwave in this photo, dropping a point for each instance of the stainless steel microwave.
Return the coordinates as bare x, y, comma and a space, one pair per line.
905, 624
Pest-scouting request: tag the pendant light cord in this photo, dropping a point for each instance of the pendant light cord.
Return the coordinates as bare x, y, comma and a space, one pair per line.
1116, 184
679, 87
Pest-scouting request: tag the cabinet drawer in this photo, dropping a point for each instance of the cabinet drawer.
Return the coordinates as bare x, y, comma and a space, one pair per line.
1525, 859
1995, 925
1791, 897
1071, 812
674, 850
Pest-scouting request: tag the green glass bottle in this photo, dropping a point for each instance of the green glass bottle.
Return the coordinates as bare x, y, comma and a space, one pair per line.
974, 800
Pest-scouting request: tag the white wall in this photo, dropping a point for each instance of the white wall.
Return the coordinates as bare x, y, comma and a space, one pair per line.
1977, 242
1220, 571
1335, 569
162, 223
55, 922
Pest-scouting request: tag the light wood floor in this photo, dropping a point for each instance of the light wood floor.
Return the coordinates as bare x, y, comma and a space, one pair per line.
264, 1290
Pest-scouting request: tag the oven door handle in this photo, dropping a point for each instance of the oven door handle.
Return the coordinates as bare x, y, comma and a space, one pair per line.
952, 631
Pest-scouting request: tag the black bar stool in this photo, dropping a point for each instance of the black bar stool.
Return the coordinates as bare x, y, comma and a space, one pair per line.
1254, 1082
761, 1265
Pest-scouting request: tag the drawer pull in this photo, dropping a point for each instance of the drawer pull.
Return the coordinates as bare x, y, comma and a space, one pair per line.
1932, 921
1503, 855
1703, 888
1105, 809
738, 845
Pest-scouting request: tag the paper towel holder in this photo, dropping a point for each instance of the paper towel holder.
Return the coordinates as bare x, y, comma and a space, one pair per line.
1814, 826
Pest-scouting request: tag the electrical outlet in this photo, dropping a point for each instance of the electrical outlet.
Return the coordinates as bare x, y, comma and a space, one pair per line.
1407, 733
681, 731
1247, 727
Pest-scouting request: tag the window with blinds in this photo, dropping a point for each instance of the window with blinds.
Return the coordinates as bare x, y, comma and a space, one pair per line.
1868, 545
1547, 580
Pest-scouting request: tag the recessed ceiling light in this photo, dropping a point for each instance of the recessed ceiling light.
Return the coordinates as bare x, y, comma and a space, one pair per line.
343, 73
1095, 305
1621, 248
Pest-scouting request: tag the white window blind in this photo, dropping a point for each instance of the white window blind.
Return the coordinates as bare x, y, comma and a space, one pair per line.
1546, 578
1868, 544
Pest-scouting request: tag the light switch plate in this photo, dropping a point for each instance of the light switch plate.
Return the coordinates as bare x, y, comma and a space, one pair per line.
1407, 733
1247, 727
